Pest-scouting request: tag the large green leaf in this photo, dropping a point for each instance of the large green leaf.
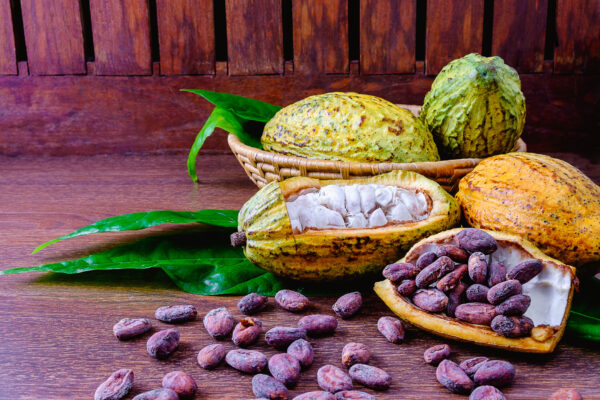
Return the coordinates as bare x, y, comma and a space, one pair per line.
244, 107
584, 320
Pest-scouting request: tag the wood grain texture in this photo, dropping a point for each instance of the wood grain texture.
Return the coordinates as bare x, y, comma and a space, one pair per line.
121, 31
254, 37
519, 33
577, 29
44, 197
8, 58
186, 36
454, 29
53, 36
320, 36
388, 32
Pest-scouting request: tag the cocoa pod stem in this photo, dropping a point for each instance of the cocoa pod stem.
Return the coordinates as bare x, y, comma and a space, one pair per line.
238, 239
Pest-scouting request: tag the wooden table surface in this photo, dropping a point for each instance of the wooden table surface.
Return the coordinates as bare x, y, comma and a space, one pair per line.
56, 337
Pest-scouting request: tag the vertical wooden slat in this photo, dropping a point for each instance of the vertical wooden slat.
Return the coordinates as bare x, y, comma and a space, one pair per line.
454, 29
578, 32
53, 36
254, 37
387, 36
8, 58
186, 36
519, 33
121, 31
320, 36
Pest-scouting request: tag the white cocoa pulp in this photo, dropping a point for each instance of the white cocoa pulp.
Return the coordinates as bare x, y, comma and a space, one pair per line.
355, 206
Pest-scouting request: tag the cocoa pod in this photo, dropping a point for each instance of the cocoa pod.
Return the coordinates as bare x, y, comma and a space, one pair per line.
269, 387
495, 373
354, 395
211, 356
472, 364
181, 383
486, 393
431, 300
285, 368
333, 379
475, 240
407, 287
435, 354
496, 273
455, 298
302, 351
318, 324
525, 271
391, 328
478, 267
176, 314
252, 303
476, 313
131, 327
477, 293
512, 327
348, 305
291, 301
425, 259
218, 323
514, 305
371, 377
502, 291
157, 394
246, 331
453, 377
316, 395
452, 279
454, 252
399, 271
248, 361
163, 343
566, 394
281, 336
116, 387
355, 353
434, 271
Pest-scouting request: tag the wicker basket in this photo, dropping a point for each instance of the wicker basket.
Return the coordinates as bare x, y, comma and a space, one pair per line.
263, 167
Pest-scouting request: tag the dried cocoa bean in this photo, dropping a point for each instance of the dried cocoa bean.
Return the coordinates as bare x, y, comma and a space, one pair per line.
269, 387
302, 351
525, 271
502, 291
407, 287
475, 240
371, 377
131, 327
566, 394
176, 314
116, 387
496, 273
252, 303
477, 293
281, 336
157, 394
333, 379
391, 328
455, 297
451, 280
163, 343
285, 368
495, 373
246, 331
399, 271
512, 327
453, 377
211, 356
316, 395
318, 324
248, 361
355, 353
472, 364
435, 354
291, 301
434, 271
478, 267
181, 383
425, 259
454, 252
218, 323
486, 393
514, 305
431, 300
476, 313
354, 395
348, 305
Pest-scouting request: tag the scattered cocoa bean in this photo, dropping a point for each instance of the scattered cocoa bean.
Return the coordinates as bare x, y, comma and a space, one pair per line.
431, 300
566, 394
486, 393
281, 336
525, 271
425, 259
318, 324
333, 379
285, 368
455, 297
400, 271
512, 327
475, 240
131, 327
302, 351
476, 313
496, 273
163, 343
348, 305
354, 395
454, 252
246, 331
472, 364
478, 267
514, 305
218, 323
158, 394
248, 361
211, 356
291, 301
495, 373
452, 279
391, 328
176, 314
434, 271
355, 353
407, 287
269, 387
181, 383
435, 354
453, 377
477, 293
502, 291
316, 395
369, 376
116, 387
252, 303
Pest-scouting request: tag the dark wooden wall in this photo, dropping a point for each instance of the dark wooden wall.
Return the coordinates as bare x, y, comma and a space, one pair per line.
103, 76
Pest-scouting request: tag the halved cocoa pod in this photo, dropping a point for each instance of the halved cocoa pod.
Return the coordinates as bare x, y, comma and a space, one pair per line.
550, 292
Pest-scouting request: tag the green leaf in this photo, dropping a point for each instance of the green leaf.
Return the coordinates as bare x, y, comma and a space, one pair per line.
584, 320
142, 220
244, 107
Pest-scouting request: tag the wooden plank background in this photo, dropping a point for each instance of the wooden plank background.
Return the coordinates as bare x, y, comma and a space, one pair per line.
8, 57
